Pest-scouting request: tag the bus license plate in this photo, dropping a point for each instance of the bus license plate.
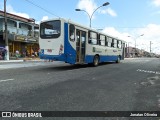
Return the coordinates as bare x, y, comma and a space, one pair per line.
49, 50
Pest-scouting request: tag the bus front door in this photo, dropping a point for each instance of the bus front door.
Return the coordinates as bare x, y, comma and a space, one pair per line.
80, 46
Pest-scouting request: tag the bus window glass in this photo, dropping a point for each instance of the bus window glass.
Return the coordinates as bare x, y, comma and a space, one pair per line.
83, 39
93, 38
50, 29
119, 44
115, 43
102, 40
109, 42
72, 32
106, 44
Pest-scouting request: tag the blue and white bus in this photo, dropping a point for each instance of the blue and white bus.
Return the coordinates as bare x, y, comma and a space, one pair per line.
64, 40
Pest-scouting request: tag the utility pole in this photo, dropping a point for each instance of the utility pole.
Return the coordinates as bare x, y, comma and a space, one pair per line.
150, 47
6, 32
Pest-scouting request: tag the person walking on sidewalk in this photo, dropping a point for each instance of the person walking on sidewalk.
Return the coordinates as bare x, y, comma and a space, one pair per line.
17, 54
3, 54
1, 58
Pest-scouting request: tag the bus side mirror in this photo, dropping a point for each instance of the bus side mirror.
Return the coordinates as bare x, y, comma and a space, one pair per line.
89, 41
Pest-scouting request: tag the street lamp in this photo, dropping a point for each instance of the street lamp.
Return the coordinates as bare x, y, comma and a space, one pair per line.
135, 40
6, 32
128, 50
90, 16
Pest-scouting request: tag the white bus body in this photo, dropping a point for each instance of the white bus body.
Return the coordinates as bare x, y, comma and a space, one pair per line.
63, 40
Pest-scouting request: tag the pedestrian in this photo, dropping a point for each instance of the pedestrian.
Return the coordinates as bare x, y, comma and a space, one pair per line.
1, 58
27, 54
17, 54
3, 54
35, 53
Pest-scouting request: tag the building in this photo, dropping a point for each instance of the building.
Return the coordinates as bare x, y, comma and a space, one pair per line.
132, 52
22, 34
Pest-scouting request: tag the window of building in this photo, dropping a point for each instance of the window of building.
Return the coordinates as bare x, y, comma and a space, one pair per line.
20, 25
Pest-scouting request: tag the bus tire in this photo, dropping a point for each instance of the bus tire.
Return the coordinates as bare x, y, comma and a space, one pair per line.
96, 61
118, 59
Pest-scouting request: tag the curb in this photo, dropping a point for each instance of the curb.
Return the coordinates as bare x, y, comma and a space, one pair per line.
10, 61
16, 61
32, 60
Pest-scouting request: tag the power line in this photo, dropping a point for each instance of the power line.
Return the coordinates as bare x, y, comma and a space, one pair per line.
117, 27
42, 8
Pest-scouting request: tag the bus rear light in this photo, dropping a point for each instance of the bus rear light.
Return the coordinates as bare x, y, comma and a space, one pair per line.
60, 49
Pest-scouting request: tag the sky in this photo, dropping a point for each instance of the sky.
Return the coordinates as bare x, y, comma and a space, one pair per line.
134, 21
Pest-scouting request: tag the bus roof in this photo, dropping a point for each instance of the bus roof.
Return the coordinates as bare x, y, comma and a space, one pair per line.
90, 29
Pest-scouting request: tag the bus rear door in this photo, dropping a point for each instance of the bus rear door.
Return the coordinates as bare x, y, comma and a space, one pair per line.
80, 46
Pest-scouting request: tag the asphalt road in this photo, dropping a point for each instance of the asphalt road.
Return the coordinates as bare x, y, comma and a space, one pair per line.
132, 85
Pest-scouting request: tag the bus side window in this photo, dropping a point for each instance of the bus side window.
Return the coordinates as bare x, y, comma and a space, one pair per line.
112, 44
89, 38
72, 32
115, 43
92, 38
102, 40
119, 44
109, 42
106, 41
89, 41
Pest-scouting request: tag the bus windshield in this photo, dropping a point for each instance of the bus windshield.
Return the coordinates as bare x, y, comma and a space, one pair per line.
50, 29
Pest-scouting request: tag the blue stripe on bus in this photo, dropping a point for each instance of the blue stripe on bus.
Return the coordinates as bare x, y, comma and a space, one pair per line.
53, 57
89, 58
69, 51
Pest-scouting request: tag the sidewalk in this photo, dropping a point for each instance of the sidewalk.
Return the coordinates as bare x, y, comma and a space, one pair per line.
20, 60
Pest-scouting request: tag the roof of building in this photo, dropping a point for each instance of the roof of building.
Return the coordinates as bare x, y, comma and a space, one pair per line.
16, 17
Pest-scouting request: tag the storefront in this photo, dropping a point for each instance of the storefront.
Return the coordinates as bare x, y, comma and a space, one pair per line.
22, 44
22, 34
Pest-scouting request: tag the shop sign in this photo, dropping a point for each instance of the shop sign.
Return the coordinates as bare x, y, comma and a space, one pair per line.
32, 39
20, 38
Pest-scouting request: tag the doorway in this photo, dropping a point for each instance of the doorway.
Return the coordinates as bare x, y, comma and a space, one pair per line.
80, 45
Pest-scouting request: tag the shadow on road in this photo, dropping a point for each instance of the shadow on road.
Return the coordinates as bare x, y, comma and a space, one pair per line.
65, 67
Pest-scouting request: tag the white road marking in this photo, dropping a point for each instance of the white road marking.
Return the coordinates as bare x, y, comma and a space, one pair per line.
148, 71
6, 80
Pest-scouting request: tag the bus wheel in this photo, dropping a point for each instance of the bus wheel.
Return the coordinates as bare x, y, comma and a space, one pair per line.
96, 61
118, 59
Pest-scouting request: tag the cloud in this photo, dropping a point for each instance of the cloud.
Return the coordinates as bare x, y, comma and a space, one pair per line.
45, 18
115, 33
156, 3
109, 11
150, 31
89, 6
11, 10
